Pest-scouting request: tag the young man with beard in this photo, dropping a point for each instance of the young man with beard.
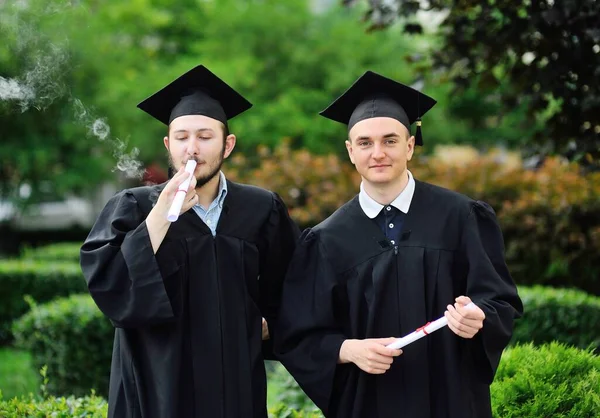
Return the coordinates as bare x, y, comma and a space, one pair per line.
399, 254
192, 301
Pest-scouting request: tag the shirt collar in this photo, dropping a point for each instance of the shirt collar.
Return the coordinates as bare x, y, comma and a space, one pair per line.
220, 194
222, 188
401, 202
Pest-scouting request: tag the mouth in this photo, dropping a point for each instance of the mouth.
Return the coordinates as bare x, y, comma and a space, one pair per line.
380, 166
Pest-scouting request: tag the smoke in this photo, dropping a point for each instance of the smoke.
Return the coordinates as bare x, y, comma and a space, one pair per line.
98, 128
42, 81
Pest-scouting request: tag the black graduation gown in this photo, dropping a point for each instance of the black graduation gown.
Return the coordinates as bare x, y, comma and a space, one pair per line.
347, 281
188, 319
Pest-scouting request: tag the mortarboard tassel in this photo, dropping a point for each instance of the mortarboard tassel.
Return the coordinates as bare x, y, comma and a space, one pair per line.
418, 135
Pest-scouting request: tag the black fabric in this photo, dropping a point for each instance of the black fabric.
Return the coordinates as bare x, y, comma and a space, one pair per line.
343, 284
373, 95
199, 103
379, 105
188, 319
197, 92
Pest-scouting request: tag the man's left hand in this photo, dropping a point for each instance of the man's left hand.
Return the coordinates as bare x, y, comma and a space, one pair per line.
265, 329
464, 322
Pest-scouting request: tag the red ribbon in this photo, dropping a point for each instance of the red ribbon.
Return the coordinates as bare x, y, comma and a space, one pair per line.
423, 328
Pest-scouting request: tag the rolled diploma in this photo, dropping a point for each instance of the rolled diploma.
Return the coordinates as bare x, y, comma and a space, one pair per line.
173, 214
423, 331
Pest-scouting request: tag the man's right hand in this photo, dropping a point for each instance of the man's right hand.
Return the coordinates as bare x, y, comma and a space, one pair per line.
165, 200
370, 355
157, 222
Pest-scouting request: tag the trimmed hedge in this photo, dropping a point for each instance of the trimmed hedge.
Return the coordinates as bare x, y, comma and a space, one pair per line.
64, 251
89, 407
74, 339
566, 315
42, 281
96, 407
548, 381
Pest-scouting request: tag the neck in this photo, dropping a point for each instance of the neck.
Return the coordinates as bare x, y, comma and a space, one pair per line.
209, 191
385, 193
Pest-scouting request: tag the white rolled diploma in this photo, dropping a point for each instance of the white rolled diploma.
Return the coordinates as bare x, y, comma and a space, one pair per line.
173, 214
423, 331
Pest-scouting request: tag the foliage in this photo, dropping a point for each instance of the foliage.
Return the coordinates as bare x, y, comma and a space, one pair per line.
540, 56
568, 316
89, 407
41, 281
17, 375
64, 251
287, 391
312, 186
548, 381
554, 229
73, 339
91, 63
282, 410
550, 217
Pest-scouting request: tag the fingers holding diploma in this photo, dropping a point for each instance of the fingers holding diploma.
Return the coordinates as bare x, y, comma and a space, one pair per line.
370, 355
464, 322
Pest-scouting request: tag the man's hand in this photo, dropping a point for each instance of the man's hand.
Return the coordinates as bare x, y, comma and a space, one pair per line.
165, 200
157, 222
265, 329
370, 355
464, 322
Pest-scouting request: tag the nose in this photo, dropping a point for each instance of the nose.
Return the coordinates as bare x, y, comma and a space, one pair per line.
378, 152
193, 148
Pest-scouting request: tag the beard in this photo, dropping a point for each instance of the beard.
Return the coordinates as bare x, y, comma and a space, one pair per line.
214, 167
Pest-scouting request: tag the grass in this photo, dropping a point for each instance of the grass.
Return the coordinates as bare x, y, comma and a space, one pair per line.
17, 375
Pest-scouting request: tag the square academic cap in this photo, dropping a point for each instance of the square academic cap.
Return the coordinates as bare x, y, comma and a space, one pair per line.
374, 95
197, 92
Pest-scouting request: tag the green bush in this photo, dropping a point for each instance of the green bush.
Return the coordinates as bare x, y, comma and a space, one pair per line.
89, 407
64, 251
284, 411
566, 315
74, 339
284, 390
43, 281
548, 381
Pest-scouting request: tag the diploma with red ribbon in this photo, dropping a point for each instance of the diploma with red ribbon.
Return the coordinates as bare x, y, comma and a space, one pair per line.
173, 214
426, 329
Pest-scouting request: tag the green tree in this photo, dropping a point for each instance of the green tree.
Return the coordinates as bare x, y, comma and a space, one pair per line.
541, 57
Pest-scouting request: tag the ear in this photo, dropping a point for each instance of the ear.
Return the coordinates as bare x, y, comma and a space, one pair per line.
350, 150
410, 147
229, 145
166, 142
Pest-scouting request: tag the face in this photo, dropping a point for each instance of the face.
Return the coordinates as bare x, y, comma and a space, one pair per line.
380, 148
200, 138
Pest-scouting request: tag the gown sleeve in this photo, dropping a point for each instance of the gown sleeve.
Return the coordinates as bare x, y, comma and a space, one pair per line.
120, 268
281, 236
309, 338
490, 286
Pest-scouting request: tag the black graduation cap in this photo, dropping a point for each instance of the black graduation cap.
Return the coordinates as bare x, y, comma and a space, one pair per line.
197, 92
374, 95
